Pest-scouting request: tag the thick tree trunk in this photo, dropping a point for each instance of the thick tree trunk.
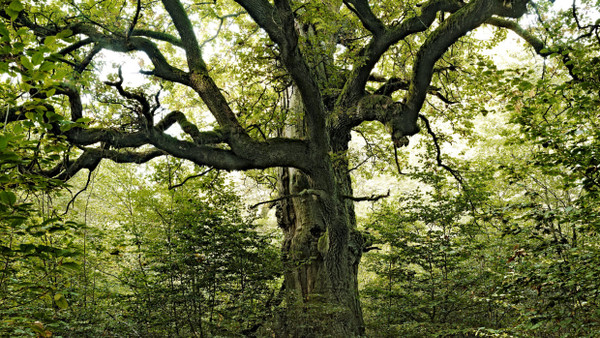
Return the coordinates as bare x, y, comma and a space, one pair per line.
321, 253
322, 247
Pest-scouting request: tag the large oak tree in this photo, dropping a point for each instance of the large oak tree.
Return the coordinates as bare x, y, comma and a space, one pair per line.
289, 82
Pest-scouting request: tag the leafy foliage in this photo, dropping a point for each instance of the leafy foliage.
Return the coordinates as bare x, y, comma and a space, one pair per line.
514, 250
194, 265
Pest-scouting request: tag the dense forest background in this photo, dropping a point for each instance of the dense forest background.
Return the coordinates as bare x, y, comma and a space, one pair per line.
486, 224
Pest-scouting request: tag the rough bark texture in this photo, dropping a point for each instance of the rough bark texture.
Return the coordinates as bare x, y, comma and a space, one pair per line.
321, 253
322, 247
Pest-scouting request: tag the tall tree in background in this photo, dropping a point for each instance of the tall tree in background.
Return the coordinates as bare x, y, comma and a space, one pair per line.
292, 82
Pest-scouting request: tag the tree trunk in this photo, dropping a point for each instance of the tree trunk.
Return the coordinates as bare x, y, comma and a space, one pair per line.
321, 252
321, 249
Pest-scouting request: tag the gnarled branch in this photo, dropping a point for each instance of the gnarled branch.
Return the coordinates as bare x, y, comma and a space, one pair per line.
379, 44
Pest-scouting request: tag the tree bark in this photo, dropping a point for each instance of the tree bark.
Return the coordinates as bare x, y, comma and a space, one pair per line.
321, 252
321, 248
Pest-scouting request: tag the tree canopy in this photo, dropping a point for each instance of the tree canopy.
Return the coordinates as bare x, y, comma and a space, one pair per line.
67, 38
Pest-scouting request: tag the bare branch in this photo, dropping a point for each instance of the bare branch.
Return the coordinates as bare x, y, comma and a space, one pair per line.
75, 46
87, 183
263, 14
141, 99
157, 36
11, 114
354, 88
438, 150
304, 193
84, 161
372, 198
162, 68
394, 84
171, 187
454, 27
135, 18
397, 161
249, 155
221, 21
88, 59
280, 24
209, 137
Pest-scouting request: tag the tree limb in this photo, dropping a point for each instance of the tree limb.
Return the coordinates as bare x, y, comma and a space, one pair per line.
263, 13
279, 23
303, 193
135, 18
394, 84
438, 150
372, 198
186, 32
364, 13
171, 187
538, 45
144, 109
207, 137
115, 42
160, 36
380, 43
259, 155
87, 183
454, 27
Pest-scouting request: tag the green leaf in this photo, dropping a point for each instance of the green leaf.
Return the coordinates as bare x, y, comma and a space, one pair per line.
38, 327
49, 221
71, 265
17, 220
13, 14
8, 197
64, 34
67, 125
61, 301
23, 31
3, 30
18, 47
49, 41
47, 66
16, 6
26, 62
37, 58
24, 248
83, 120
3, 141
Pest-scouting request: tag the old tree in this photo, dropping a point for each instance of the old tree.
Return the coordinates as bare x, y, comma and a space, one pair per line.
242, 85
